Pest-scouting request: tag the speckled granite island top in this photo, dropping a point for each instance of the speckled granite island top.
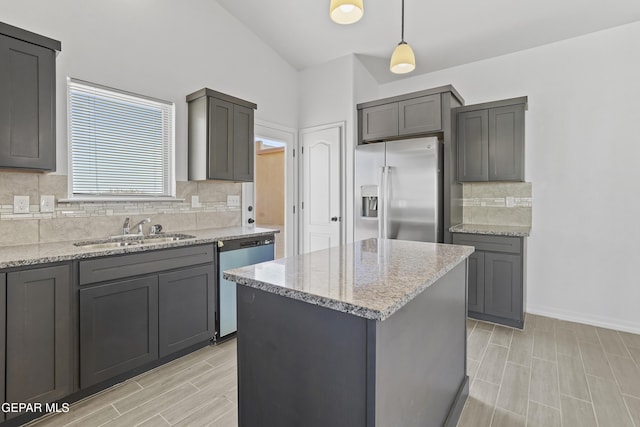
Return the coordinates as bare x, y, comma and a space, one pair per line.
494, 230
372, 278
32, 254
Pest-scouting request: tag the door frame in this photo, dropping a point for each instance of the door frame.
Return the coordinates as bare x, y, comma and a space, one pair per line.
342, 125
289, 136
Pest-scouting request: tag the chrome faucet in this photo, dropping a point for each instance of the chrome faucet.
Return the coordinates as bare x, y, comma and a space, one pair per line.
126, 228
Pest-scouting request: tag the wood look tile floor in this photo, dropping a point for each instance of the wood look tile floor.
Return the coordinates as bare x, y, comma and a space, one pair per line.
551, 374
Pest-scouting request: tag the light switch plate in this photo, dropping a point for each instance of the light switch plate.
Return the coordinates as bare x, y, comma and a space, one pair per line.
233, 200
47, 203
511, 202
20, 204
195, 201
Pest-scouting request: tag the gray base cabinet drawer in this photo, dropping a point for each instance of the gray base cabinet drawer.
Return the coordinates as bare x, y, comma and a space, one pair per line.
495, 281
118, 328
118, 267
490, 243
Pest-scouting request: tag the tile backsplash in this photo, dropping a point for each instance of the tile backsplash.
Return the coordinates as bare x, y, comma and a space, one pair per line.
497, 203
87, 220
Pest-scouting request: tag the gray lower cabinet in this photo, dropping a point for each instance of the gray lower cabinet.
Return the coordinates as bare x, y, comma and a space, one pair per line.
490, 141
221, 137
475, 282
118, 328
495, 280
3, 330
138, 308
186, 314
27, 100
39, 343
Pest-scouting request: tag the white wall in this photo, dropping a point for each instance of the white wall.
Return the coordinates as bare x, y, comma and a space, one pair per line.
582, 156
160, 48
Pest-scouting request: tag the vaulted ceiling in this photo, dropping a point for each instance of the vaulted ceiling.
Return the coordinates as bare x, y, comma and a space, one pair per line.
443, 33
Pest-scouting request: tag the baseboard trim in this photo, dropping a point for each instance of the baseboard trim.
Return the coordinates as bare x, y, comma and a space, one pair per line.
603, 322
458, 404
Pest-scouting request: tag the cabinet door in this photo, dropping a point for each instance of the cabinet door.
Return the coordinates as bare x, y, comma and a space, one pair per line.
220, 139
243, 143
187, 308
420, 115
27, 105
3, 325
380, 122
39, 330
473, 146
475, 282
118, 328
506, 143
503, 285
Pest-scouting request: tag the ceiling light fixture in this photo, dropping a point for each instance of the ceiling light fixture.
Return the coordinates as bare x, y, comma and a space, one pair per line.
403, 60
346, 11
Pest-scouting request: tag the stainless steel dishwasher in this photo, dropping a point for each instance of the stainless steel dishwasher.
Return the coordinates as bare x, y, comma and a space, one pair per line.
233, 254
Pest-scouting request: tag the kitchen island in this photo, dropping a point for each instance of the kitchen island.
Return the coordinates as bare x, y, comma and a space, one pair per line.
372, 333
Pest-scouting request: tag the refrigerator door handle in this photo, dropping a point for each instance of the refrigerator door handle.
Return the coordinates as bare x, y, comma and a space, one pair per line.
381, 203
385, 202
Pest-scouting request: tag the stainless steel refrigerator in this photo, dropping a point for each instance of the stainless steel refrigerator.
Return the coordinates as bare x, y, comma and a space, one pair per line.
398, 190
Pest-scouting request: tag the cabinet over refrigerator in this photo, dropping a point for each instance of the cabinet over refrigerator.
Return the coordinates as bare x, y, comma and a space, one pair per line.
399, 190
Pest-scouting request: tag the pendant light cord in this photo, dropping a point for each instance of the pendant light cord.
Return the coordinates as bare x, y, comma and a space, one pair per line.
402, 34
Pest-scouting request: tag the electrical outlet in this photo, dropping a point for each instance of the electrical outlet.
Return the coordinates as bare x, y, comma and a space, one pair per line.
195, 201
233, 200
47, 203
20, 204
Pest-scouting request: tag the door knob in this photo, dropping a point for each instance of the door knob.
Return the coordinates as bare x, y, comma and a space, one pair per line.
334, 218
250, 220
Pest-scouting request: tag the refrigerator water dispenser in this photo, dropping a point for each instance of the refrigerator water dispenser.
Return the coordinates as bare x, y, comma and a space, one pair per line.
369, 194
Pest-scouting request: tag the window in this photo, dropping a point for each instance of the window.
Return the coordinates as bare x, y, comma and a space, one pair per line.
121, 145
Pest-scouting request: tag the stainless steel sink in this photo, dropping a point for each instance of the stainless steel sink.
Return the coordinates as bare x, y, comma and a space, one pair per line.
126, 240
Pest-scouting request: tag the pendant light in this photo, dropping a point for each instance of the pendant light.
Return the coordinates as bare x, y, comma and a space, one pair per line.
346, 11
403, 60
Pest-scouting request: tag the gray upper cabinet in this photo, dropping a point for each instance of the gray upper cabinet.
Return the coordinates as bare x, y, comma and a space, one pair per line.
27, 99
221, 137
413, 114
490, 141
380, 121
506, 144
419, 115
39, 343
473, 146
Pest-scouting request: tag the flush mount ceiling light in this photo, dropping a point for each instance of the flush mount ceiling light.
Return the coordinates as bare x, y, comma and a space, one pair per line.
346, 11
403, 60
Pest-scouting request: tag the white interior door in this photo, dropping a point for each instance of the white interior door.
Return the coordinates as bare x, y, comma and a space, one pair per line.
321, 208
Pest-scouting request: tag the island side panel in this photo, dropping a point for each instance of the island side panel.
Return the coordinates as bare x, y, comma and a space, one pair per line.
421, 357
299, 364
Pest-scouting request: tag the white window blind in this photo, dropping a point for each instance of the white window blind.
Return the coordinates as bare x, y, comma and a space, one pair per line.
121, 144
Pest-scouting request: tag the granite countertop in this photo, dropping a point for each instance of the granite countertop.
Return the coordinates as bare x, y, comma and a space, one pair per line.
40, 253
495, 230
371, 278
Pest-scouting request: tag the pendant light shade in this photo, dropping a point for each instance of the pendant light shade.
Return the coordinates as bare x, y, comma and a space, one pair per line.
346, 11
403, 60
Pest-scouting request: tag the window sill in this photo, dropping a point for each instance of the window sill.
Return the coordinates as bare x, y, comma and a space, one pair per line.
119, 199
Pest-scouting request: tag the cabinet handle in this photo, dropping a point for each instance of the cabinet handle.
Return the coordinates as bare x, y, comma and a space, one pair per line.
334, 218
